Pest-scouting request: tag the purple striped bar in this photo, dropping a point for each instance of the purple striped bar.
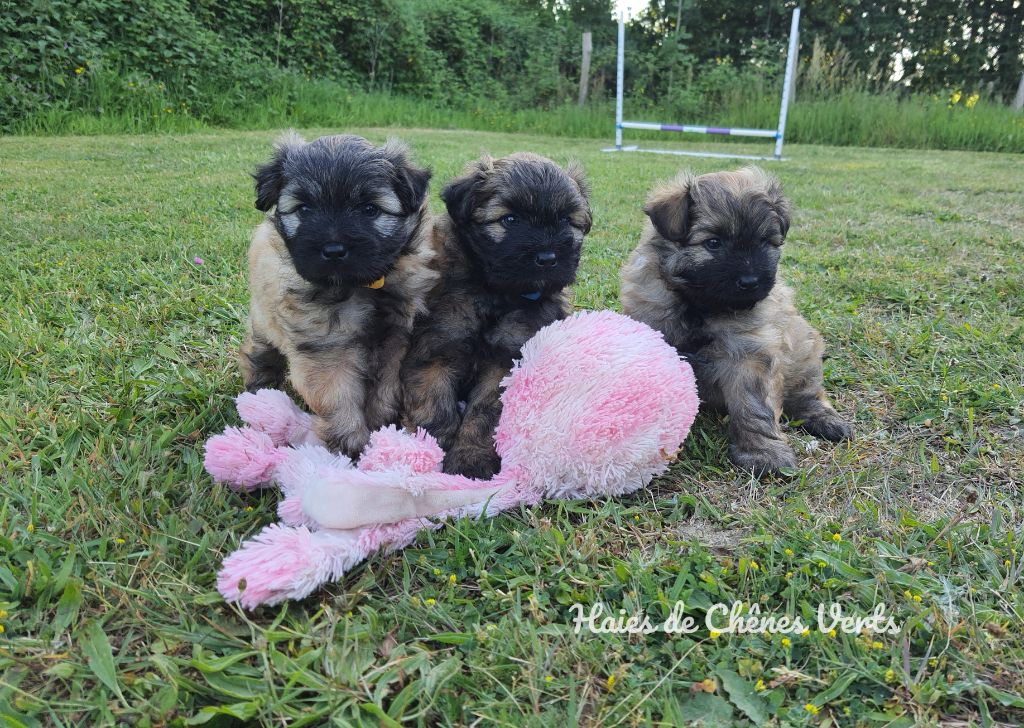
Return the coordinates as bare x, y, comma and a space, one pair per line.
723, 131
717, 130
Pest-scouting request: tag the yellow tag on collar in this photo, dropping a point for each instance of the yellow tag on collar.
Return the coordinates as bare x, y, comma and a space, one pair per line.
379, 283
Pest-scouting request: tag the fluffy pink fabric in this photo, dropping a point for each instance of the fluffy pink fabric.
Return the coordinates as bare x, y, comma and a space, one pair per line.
242, 457
392, 449
282, 563
595, 407
273, 412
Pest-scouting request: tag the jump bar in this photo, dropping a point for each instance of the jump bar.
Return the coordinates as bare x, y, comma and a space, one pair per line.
767, 133
681, 153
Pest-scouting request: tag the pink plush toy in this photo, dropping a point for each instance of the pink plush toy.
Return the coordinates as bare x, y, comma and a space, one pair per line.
598, 405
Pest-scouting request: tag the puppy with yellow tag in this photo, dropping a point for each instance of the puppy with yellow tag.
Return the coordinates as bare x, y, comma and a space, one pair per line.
338, 271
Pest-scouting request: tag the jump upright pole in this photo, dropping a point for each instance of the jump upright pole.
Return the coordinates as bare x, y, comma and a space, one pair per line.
620, 63
787, 82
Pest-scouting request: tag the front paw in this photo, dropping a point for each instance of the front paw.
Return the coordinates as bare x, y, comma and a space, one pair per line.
478, 463
348, 442
769, 457
828, 426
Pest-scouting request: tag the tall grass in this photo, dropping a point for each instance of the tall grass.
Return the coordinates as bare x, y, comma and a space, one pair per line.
826, 112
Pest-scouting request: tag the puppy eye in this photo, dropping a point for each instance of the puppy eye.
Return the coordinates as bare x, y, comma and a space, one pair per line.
302, 208
370, 210
712, 243
508, 220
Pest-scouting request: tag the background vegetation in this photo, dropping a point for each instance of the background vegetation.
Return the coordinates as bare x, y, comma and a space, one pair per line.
905, 73
121, 309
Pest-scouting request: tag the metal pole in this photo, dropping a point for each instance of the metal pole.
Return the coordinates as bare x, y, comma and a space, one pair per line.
787, 82
620, 64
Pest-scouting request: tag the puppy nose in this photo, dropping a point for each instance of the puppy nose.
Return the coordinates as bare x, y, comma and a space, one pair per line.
334, 251
546, 258
745, 283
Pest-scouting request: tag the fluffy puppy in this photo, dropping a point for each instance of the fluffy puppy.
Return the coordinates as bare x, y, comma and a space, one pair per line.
505, 252
338, 271
705, 275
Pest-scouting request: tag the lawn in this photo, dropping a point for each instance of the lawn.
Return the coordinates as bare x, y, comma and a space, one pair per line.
123, 297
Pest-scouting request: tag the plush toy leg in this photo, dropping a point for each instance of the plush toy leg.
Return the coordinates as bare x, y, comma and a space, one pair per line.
273, 412
283, 562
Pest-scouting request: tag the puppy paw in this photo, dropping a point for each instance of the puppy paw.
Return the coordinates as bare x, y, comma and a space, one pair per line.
349, 443
771, 458
478, 463
828, 426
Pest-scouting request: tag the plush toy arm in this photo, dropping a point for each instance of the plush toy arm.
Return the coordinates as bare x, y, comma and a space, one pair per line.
273, 412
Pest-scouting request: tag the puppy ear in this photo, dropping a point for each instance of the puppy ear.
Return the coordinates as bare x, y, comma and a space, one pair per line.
669, 208
575, 171
460, 194
411, 181
779, 203
270, 176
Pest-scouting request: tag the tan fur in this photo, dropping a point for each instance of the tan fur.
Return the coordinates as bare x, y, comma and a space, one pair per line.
755, 363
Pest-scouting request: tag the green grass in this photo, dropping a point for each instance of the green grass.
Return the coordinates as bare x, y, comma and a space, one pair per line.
117, 361
105, 101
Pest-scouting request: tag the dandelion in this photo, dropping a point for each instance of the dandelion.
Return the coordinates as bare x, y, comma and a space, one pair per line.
715, 634
972, 100
451, 579
811, 708
788, 552
759, 685
430, 601
786, 642
876, 645
836, 537
79, 71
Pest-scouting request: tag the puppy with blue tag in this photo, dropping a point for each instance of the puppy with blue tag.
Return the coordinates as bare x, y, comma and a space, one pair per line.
505, 254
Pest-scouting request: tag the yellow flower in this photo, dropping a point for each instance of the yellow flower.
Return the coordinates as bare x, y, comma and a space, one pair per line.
1006, 562
715, 634
437, 572
972, 100
548, 678
832, 633
789, 574
805, 632
31, 528
786, 642
822, 564
451, 578
908, 594
79, 71
3, 613
636, 517
788, 552
811, 708
754, 565
430, 601
610, 682
2, 630
119, 541
933, 662
248, 509
890, 675
836, 537
759, 685
876, 645
708, 685
917, 598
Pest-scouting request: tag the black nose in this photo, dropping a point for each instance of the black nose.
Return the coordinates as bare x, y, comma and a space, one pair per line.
334, 251
745, 283
546, 259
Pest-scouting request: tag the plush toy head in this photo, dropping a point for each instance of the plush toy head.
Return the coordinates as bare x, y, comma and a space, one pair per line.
597, 406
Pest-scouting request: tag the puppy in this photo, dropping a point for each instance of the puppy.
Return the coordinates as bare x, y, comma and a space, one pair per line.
705, 275
506, 251
338, 271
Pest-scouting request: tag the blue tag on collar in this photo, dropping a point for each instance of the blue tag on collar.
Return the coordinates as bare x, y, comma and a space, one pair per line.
530, 296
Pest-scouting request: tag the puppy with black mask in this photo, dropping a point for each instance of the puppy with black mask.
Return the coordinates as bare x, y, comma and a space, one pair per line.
505, 253
706, 275
338, 271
